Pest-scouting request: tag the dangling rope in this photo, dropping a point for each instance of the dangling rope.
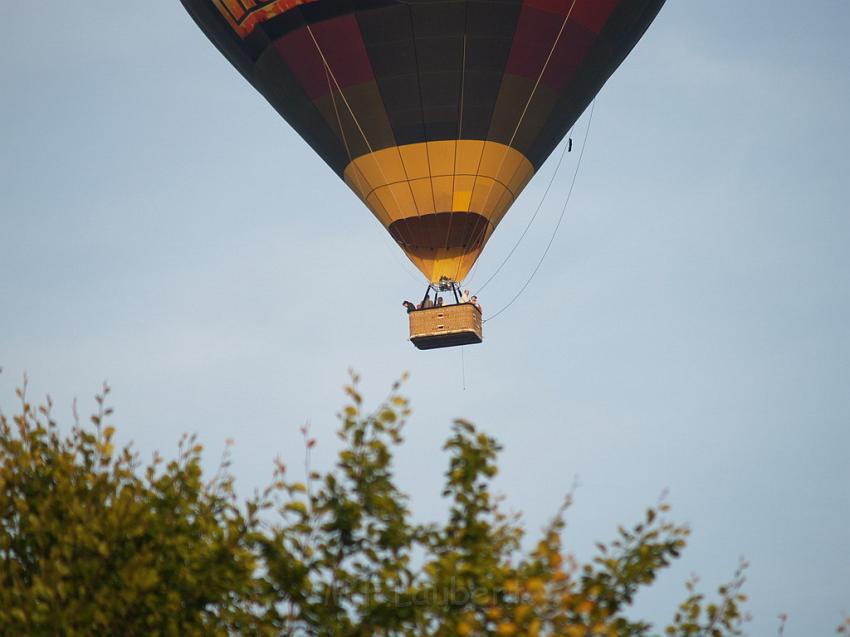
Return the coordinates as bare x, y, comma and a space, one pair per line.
560, 219
530, 221
524, 111
357, 169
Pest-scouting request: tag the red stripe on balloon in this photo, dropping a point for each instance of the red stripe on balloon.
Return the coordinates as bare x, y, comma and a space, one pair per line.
341, 44
592, 14
568, 55
537, 31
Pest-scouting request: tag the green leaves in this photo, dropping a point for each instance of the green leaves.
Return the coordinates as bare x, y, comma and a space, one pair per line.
91, 545
94, 543
725, 617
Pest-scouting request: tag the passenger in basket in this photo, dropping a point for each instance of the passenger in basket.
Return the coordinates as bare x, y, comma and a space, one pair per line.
474, 301
464, 298
409, 306
439, 301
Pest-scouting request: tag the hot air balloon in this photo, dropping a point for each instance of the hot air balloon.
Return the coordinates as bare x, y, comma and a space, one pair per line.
436, 113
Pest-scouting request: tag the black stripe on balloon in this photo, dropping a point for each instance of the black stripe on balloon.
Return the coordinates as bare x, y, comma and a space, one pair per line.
275, 81
490, 33
388, 37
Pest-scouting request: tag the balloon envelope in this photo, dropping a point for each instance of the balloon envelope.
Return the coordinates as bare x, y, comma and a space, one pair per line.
436, 113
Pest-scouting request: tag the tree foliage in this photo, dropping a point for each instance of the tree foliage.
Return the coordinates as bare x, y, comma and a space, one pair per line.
93, 542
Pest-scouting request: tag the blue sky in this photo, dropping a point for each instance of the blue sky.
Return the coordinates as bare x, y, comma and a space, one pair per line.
688, 330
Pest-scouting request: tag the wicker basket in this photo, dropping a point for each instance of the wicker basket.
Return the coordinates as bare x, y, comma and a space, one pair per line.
446, 326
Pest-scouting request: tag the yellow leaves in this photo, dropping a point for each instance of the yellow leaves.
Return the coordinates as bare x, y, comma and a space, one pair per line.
536, 588
119, 540
467, 625
522, 612
535, 585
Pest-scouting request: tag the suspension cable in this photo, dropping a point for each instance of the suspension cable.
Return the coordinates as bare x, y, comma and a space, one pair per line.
522, 114
560, 219
329, 71
530, 221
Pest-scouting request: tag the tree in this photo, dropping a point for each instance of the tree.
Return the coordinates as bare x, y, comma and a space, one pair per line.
94, 543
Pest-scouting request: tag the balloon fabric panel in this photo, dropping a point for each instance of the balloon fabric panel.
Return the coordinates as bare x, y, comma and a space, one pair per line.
435, 113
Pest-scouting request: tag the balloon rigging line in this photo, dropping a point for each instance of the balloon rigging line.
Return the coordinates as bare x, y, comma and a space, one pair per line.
333, 77
424, 132
363, 177
348, 152
422, 111
524, 110
530, 221
475, 268
424, 127
459, 137
560, 219
542, 71
504, 157
329, 70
